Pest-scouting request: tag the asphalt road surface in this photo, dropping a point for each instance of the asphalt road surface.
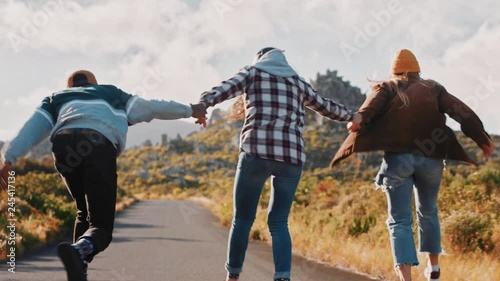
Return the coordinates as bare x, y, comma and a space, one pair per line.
167, 241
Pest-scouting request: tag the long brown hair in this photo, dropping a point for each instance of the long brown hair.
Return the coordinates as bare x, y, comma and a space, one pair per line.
399, 83
237, 110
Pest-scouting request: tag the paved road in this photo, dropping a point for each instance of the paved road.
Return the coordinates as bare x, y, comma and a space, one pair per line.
167, 241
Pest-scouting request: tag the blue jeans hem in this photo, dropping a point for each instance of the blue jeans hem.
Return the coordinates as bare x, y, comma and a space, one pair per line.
410, 263
282, 274
234, 270
432, 252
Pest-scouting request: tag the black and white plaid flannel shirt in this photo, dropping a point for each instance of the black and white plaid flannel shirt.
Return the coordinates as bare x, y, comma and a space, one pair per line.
274, 112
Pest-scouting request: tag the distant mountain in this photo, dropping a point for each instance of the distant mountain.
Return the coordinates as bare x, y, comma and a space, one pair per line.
331, 85
152, 131
322, 137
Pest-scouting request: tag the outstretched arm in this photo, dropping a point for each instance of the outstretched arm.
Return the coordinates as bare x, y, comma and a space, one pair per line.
35, 130
141, 110
231, 88
470, 123
324, 106
228, 89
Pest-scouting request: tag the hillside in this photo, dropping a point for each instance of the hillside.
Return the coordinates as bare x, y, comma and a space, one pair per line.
336, 213
335, 216
154, 130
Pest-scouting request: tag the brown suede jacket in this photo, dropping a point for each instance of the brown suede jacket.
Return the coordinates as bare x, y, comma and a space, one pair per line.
418, 128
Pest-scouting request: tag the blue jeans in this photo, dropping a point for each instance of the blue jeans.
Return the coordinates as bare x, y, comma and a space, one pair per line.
251, 175
400, 175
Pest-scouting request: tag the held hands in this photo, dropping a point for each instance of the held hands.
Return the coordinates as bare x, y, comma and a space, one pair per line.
5, 173
202, 121
199, 112
355, 124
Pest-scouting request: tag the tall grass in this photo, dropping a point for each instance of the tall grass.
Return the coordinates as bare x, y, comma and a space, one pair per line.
343, 224
45, 212
337, 217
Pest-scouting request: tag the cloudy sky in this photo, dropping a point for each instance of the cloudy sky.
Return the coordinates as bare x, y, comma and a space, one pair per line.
176, 49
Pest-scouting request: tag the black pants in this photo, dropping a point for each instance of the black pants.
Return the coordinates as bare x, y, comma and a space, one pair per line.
86, 161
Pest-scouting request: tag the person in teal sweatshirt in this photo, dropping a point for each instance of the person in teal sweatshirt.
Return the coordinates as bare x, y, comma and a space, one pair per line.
87, 124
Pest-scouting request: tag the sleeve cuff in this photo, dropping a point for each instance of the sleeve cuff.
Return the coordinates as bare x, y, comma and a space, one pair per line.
4, 159
204, 101
350, 116
189, 111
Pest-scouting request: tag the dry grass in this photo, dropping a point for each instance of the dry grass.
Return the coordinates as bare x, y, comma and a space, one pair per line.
125, 203
367, 254
38, 230
469, 267
341, 222
317, 236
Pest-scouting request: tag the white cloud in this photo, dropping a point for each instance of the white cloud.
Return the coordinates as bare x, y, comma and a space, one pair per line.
175, 49
468, 71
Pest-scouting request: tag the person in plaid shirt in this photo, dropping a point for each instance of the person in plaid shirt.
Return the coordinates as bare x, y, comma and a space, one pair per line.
272, 100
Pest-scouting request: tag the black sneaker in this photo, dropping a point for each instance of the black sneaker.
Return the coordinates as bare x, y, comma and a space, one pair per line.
74, 265
282, 279
432, 275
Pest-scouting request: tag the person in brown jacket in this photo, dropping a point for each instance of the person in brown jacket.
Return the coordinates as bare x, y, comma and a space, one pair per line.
404, 116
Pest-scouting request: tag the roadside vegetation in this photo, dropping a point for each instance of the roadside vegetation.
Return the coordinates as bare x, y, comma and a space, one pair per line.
338, 217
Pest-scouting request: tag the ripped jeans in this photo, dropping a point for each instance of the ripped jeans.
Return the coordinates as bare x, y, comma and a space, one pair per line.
399, 176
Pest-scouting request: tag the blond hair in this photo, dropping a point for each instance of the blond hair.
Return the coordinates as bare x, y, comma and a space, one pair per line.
237, 110
399, 83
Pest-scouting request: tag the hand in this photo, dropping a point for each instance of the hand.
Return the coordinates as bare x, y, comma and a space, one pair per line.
488, 149
202, 121
355, 124
5, 172
199, 110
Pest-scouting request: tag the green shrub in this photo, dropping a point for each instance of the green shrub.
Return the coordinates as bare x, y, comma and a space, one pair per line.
361, 225
491, 178
28, 241
469, 232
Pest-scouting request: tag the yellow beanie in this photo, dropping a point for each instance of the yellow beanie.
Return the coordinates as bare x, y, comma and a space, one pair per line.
405, 61
81, 78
